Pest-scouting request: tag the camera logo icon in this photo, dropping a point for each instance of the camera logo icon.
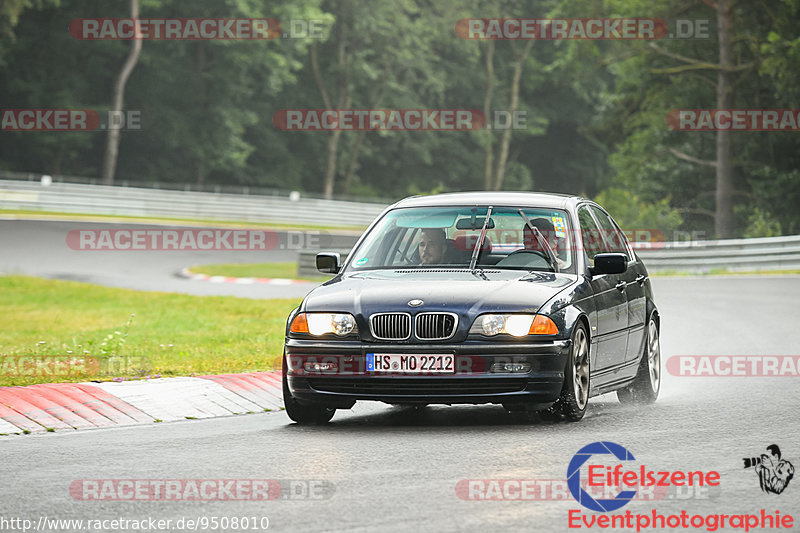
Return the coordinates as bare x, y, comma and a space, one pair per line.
602, 505
774, 473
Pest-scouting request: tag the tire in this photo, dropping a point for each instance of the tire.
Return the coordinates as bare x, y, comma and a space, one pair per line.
647, 383
571, 404
303, 414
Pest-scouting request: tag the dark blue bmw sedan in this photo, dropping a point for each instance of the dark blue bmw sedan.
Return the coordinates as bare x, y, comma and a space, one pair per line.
533, 301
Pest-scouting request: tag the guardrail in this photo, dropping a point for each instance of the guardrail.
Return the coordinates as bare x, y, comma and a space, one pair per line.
217, 188
772, 253
135, 201
769, 253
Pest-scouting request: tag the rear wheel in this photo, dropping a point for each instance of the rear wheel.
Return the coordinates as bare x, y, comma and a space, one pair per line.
647, 383
571, 404
304, 413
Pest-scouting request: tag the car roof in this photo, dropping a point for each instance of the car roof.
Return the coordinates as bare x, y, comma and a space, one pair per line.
514, 199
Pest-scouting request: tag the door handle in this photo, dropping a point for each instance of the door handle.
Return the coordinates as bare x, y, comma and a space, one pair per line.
620, 286
640, 279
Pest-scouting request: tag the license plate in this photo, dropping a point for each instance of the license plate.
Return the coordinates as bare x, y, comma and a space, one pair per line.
411, 364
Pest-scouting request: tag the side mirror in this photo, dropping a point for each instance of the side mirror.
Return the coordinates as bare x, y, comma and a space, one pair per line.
329, 262
609, 264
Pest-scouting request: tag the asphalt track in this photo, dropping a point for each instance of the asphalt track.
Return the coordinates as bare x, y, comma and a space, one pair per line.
396, 469
40, 248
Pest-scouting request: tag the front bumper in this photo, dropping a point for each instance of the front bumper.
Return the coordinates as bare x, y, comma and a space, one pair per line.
473, 381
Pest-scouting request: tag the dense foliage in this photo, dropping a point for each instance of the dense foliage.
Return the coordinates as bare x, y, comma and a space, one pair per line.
595, 109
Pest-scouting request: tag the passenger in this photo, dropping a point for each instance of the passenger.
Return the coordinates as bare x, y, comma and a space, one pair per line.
548, 231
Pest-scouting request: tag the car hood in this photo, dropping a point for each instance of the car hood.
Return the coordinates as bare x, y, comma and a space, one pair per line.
462, 292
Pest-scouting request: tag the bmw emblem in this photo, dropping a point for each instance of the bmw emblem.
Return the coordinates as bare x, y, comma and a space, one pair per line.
415, 302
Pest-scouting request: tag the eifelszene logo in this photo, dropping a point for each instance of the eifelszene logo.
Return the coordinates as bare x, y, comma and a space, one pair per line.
606, 476
774, 473
606, 466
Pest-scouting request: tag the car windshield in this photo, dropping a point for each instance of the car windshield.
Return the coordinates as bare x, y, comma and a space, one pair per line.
514, 238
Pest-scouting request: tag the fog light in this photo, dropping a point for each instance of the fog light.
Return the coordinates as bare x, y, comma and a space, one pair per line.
320, 367
511, 368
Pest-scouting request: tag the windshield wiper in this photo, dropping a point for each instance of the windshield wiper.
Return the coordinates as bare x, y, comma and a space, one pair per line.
478, 273
478, 244
550, 256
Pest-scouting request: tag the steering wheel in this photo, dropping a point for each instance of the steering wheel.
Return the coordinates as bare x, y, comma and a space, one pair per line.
537, 252
531, 259
403, 259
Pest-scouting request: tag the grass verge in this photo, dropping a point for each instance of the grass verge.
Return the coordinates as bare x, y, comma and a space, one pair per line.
131, 333
255, 270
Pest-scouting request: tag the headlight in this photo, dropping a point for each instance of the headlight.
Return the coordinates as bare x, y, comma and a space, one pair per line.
493, 324
515, 325
322, 323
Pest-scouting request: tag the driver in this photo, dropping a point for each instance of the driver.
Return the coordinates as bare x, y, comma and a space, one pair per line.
432, 246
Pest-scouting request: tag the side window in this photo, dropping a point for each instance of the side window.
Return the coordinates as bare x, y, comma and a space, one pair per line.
591, 237
613, 236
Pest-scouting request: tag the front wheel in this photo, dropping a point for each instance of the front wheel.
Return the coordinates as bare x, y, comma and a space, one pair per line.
645, 386
571, 404
303, 414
